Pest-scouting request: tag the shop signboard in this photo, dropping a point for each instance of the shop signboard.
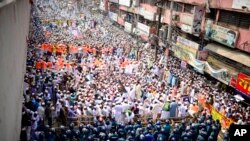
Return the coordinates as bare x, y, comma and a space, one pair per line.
147, 14
144, 28
223, 35
113, 16
241, 4
114, 1
125, 2
187, 43
184, 48
243, 83
128, 27
202, 55
198, 14
186, 19
217, 64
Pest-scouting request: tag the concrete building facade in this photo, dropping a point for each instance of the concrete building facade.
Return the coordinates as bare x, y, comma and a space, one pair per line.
212, 36
14, 28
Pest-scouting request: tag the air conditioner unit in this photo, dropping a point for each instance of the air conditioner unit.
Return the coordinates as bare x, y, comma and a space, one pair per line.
5, 2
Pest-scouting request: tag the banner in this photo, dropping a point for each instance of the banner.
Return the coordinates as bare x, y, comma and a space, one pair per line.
198, 14
222, 35
125, 2
238, 4
128, 27
202, 55
225, 122
243, 83
185, 47
183, 64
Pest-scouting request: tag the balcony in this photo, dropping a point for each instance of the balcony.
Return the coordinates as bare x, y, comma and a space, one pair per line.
188, 22
125, 2
113, 16
144, 30
134, 10
128, 27
114, 1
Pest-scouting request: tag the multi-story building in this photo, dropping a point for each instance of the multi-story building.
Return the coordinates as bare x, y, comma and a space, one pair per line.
113, 7
103, 5
212, 36
128, 15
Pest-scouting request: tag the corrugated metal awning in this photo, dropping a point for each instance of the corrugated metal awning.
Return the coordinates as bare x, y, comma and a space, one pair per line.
235, 55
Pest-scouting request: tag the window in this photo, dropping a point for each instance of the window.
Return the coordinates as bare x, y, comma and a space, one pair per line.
129, 18
167, 4
188, 8
235, 18
114, 7
178, 7
212, 14
147, 1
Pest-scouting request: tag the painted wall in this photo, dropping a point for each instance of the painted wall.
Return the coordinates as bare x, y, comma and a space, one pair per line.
244, 40
149, 7
166, 16
223, 4
14, 24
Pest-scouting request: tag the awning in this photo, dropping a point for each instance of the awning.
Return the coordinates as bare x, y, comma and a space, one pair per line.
234, 55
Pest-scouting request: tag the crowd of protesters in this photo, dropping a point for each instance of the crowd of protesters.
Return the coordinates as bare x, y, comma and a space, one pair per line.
92, 71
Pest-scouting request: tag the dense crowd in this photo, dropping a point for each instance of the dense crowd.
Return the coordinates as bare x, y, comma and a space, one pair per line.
95, 72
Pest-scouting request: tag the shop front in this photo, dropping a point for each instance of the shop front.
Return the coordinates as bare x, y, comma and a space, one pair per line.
232, 61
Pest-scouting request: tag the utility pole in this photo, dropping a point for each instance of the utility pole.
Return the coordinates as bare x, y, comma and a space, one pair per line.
158, 26
170, 23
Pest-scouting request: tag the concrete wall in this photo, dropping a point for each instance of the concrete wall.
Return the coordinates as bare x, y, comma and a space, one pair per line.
194, 2
14, 23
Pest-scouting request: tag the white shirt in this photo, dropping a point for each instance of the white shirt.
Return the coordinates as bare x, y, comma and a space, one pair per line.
41, 111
